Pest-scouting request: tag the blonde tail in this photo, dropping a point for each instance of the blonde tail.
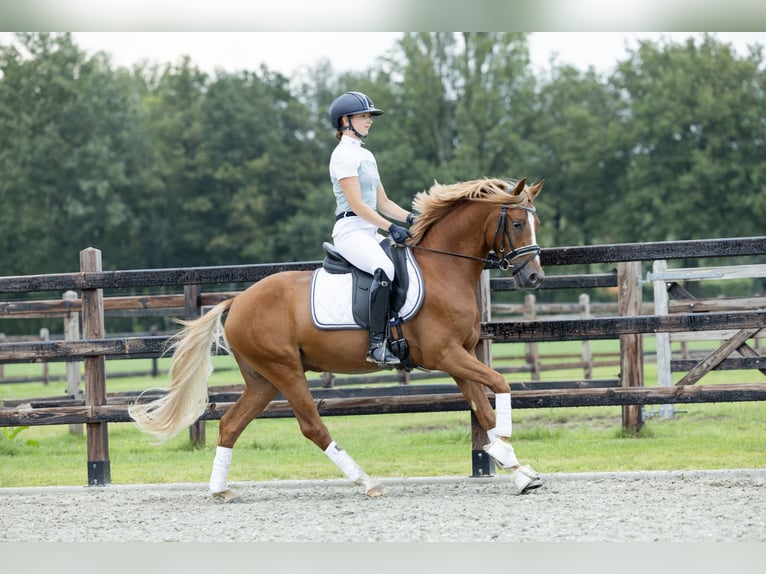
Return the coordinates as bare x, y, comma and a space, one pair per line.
186, 398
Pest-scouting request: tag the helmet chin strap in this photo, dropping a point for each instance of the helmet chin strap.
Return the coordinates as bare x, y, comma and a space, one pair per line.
350, 127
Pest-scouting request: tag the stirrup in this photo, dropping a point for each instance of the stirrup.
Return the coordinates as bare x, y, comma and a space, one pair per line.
382, 356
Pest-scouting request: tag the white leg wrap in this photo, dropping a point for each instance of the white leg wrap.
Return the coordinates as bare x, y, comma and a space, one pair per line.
219, 477
503, 414
344, 462
502, 452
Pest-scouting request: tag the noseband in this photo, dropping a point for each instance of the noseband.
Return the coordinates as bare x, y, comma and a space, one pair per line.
498, 259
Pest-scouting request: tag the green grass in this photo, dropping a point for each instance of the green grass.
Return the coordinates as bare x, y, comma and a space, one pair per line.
702, 436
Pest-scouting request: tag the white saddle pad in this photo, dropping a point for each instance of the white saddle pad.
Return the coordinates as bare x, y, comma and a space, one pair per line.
331, 297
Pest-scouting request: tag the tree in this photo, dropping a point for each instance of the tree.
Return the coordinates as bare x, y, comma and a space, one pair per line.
574, 119
695, 135
172, 200
462, 102
263, 164
66, 154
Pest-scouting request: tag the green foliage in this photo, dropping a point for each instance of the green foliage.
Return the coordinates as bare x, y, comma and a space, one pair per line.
694, 137
7, 444
168, 166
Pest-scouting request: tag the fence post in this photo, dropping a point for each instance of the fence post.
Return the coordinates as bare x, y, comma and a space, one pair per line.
631, 347
153, 332
532, 349
72, 333
481, 463
2, 366
664, 352
45, 335
99, 471
587, 355
328, 380
192, 310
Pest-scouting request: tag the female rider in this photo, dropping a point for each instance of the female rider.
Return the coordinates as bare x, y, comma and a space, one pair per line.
361, 204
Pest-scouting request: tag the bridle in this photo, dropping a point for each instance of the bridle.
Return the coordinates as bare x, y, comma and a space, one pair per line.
498, 259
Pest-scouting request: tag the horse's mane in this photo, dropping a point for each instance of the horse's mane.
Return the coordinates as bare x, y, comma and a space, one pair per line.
440, 199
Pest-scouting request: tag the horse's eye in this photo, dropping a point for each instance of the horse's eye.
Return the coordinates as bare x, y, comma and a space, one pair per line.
518, 225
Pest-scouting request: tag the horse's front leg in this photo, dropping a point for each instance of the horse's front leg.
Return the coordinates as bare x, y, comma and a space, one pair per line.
466, 369
475, 395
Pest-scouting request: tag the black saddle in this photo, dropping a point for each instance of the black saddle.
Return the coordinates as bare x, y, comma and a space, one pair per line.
336, 264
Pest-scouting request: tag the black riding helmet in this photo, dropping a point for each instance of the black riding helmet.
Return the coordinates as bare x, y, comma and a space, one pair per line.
349, 104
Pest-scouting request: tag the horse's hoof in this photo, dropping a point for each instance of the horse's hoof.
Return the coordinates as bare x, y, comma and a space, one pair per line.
227, 496
375, 491
371, 488
525, 479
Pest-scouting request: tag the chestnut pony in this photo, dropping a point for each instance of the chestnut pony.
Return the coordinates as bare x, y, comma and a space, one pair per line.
271, 335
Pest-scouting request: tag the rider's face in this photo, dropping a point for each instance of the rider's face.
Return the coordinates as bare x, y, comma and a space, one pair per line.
361, 122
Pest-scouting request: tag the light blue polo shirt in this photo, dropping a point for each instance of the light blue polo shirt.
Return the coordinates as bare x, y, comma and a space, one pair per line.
350, 159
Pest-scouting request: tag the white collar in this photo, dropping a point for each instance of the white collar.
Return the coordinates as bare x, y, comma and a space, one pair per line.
349, 140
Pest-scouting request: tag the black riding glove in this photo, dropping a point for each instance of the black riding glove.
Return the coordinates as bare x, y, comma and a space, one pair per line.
411, 218
398, 233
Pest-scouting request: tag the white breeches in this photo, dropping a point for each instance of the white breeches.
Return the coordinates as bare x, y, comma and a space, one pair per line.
357, 240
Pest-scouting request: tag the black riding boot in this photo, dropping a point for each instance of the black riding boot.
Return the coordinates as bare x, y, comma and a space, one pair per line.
379, 301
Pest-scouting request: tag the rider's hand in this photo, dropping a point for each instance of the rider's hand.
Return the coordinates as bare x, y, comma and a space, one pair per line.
398, 233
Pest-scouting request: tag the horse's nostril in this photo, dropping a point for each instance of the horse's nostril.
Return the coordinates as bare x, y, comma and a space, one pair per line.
536, 279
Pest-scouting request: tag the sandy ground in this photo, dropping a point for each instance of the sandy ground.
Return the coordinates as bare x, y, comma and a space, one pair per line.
695, 506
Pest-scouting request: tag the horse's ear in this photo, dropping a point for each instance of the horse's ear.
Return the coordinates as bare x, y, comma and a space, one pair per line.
535, 189
519, 186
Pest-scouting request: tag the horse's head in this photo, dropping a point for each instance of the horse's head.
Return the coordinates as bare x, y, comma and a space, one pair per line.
448, 219
513, 235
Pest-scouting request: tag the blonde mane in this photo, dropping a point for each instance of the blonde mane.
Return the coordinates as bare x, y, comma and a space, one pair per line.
435, 203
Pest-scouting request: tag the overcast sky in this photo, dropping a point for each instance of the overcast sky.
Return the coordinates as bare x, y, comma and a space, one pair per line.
288, 52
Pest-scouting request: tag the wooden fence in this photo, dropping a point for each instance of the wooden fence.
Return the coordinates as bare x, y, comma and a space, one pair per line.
533, 361
94, 347
666, 285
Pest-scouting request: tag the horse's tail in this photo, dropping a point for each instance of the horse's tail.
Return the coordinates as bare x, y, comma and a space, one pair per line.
192, 363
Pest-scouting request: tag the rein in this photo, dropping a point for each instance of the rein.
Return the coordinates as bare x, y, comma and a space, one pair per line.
499, 260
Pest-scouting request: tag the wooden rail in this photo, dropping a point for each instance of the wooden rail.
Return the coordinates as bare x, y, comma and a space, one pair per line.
503, 332
424, 401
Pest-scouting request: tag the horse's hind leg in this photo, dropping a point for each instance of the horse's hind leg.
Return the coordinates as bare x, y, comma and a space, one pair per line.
258, 393
294, 387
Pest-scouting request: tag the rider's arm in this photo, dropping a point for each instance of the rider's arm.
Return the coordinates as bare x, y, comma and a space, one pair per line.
390, 208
